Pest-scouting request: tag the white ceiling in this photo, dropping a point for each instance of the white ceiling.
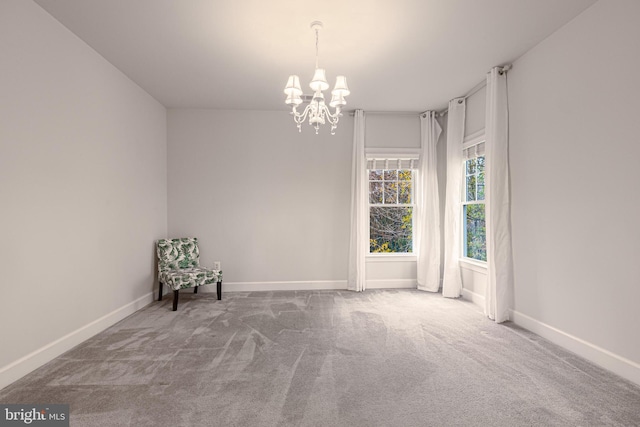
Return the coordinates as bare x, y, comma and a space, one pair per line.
398, 55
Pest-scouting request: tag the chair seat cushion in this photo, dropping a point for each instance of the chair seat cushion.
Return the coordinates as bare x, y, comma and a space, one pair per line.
189, 277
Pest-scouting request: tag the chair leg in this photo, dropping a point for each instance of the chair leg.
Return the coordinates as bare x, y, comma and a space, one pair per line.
160, 291
219, 291
195, 289
175, 300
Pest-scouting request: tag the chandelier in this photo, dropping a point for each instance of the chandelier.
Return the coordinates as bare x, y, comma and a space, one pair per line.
317, 111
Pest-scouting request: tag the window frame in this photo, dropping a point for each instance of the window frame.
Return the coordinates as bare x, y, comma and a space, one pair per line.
392, 256
470, 141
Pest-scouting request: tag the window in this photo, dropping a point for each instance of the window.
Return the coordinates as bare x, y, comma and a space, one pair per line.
473, 221
391, 206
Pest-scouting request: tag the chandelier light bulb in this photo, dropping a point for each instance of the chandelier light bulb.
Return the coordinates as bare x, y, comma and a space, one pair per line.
293, 86
341, 87
337, 100
318, 96
319, 81
293, 100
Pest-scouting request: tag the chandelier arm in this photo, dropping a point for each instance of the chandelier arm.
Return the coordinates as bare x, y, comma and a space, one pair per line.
301, 117
333, 118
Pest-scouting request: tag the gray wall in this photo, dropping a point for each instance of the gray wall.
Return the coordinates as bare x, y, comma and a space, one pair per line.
574, 151
82, 186
270, 203
392, 131
475, 113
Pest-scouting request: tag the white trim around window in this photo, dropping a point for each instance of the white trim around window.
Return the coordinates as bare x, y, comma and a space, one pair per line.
391, 257
473, 139
393, 153
473, 264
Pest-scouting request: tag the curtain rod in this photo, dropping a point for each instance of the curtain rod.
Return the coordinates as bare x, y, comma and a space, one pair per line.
474, 90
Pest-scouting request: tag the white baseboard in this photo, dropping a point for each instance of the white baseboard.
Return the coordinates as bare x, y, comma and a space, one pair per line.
37, 358
626, 368
278, 286
475, 298
311, 285
392, 284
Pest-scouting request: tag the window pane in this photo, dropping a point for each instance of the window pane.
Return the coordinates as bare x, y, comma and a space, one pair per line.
390, 175
391, 229
375, 175
480, 174
471, 188
475, 232
404, 195
390, 193
471, 166
375, 192
404, 175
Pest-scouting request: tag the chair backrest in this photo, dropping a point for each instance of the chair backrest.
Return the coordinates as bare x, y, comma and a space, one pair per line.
174, 254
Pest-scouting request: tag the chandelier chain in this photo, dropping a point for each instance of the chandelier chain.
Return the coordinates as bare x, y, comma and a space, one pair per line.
317, 31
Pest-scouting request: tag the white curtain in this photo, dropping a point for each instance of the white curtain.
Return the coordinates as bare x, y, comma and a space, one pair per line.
359, 208
428, 206
497, 205
452, 280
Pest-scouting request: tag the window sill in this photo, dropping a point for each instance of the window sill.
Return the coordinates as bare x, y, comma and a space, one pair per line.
475, 265
391, 258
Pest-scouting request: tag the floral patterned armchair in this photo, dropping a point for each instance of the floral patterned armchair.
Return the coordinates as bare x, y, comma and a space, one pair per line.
179, 267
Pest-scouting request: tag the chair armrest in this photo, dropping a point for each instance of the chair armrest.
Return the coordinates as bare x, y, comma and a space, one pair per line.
218, 273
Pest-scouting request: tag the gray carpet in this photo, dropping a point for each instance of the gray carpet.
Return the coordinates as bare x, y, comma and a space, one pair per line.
325, 358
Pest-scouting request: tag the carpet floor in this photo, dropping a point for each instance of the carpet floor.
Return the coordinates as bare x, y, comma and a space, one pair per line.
325, 358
